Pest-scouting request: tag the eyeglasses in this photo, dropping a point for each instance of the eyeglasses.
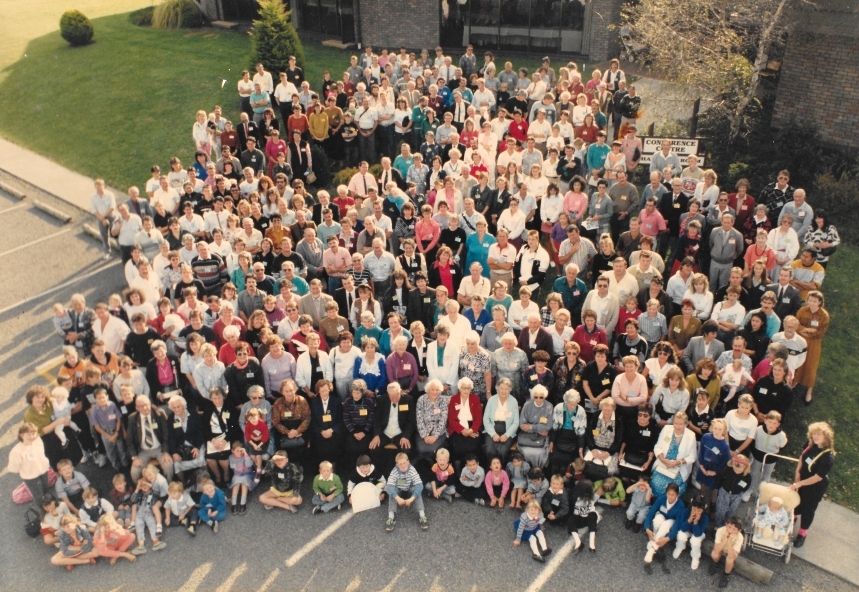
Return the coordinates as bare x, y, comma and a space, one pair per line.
241, 354
643, 415
255, 398
538, 397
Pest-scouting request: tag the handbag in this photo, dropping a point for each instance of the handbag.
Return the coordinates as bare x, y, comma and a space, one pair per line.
595, 472
32, 522
828, 251
532, 440
635, 458
22, 494
311, 177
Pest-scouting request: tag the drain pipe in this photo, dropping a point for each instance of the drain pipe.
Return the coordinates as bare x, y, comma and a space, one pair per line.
359, 38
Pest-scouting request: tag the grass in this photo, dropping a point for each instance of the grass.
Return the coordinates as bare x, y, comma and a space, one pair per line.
115, 107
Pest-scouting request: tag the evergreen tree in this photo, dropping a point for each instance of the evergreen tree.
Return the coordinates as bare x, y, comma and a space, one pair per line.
274, 38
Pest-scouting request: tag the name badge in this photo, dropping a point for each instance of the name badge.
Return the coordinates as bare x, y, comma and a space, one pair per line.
533, 346
272, 370
814, 323
802, 214
426, 300
287, 414
362, 412
763, 391
595, 432
485, 245
742, 483
809, 461
556, 502
111, 417
605, 381
326, 418
124, 409
457, 239
645, 433
177, 424
403, 407
429, 236
471, 367
677, 206
407, 366
576, 293
436, 411
225, 415
677, 329
318, 369
732, 241
250, 374
787, 301
622, 198
395, 297
544, 420
281, 476
457, 407
513, 364
533, 377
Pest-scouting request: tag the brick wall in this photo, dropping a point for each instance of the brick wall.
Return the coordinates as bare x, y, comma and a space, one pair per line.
604, 38
818, 83
392, 23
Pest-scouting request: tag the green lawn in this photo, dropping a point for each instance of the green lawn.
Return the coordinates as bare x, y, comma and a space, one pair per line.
115, 107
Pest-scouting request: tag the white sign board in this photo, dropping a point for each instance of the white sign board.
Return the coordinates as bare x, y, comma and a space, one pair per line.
683, 147
365, 496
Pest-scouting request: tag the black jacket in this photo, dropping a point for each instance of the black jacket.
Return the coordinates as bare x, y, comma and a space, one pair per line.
421, 310
177, 435
317, 213
405, 415
434, 278
783, 309
134, 437
227, 418
317, 423
239, 381
618, 436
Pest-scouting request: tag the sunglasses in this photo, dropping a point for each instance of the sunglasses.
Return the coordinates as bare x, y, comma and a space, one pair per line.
539, 398
643, 415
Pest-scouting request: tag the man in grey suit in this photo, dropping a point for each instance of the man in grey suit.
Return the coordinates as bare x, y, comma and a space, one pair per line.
313, 304
138, 205
788, 299
704, 346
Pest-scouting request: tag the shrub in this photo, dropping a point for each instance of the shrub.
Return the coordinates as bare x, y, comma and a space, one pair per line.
76, 28
274, 38
839, 199
321, 167
177, 14
142, 17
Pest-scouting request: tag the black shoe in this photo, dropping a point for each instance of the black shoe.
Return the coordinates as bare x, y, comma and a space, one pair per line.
807, 403
714, 567
235, 509
243, 508
665, 568
799, 541
628, 524
723, 581
648, 569
592, 549
538, 557
636, 528
546, 552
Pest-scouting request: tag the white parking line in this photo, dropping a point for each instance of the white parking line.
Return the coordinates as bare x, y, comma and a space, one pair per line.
35, 242
269, 581
60, 287
299, 555
197, 577
390, 585
227, 585
557, 559
20, 205
353, 585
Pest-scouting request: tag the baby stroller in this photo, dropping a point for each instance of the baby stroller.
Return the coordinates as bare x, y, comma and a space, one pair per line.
767, 543
632, 50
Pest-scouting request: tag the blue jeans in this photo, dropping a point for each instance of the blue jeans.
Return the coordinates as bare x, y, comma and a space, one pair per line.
327, 506
333, 284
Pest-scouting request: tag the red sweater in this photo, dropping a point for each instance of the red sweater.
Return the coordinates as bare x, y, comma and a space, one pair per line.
453, 408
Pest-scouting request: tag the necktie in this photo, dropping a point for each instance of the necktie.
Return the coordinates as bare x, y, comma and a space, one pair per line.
364, 178
148, 435
780, 293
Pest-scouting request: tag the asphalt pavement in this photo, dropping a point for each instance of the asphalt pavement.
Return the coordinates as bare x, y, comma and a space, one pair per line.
467, 547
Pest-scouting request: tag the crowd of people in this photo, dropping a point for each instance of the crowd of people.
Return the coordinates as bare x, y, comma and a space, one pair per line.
393, 333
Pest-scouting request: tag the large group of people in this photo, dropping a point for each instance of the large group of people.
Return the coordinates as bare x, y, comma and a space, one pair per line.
394, 333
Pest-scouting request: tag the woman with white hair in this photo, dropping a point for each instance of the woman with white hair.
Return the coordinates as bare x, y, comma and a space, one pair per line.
605, 435
186, 437
500, 421
535, 422
509, 362
401, 366
567, 440
312, 366
476, 364
431, 413
443, 359
464, 421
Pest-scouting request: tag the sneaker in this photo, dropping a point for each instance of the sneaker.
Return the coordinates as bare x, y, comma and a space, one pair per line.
628, 524
723, 581
267, 507
714, 567
101, 460
339, 506
448, 499
131, 528
215, 527
480, 501
389, 525
159, 546
257, 478
636, 528
66, 444
799, 541
746, 497
138, 550
185, 522
316, 510
106, 256
424, 522
778, 545
695, 563
85, 458
538, 557
158, 530
192, 530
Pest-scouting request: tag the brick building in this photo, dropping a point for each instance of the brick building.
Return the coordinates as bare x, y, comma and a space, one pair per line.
820, 72
566, 27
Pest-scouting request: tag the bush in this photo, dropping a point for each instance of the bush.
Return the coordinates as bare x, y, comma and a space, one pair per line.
321, 167
142, 17
839, 199
177, 14
76, 28
274, 38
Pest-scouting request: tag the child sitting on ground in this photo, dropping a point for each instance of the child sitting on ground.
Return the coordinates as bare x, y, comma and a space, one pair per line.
120, 497
575, 472
112, 540
555, 504
769, 439
471, 481
327, 489
442, 483
180, 505
160, 488
143, 516
62, 409
70, 485
772, 520
529, 527
610, 492
497, 484
639, 504
537, 487
76, 546
404, 489
52, 513
518, 469
366, 472
93, 508
213, 505
256, 437
584, 514
244, 478
729, 542
692, 528
732, 482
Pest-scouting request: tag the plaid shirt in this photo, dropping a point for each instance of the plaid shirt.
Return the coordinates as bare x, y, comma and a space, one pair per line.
474, 366
652, 329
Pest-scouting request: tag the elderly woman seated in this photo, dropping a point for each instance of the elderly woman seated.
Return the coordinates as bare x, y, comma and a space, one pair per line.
605, 435
567, 439
432, 420
464, 421
535, 422
186, 437
500, 421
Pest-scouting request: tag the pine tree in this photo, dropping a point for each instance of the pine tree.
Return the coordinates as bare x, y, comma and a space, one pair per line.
274, 38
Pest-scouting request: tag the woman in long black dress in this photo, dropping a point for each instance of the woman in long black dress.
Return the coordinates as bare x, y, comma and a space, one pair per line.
812, 475
299, 157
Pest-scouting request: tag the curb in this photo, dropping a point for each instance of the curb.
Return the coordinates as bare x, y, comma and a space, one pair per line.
93, 232
12, 191
53, 212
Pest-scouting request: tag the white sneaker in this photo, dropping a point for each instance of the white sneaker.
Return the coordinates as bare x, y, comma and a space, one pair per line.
695, 563
677, 553
695, 484
101, 460
85, 457
648, 557
746, 497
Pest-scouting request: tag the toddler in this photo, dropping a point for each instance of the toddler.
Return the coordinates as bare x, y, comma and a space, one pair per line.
692, 526
700, 415
733, 377
327, 489
120, 497
471, 481
62, 409
180, 504
639, 504
93, 508
610, 492
256, 437
518, 469
404, 489
555, 504
769, 438
52, 512
497, 484
575, 472
213, 505
529, 527
537, 487
442, 484
62, 321
143, 516
584, 514
732, 482
773, 520
160, 489
244, 478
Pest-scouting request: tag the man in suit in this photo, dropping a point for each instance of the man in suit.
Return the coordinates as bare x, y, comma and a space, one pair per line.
534, 338
137, 205
672, 206
147, 439
788, 299
704, 346
345, 297
394, 423
313, 304
247, 129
